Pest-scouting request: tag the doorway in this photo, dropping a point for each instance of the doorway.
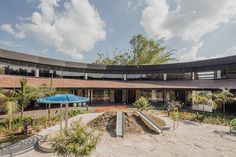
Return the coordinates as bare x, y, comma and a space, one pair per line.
118, 96
131, 96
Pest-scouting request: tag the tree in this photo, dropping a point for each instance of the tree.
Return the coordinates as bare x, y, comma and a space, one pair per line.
78, 141
170, 106
142, 104
143, 52
9, 101
223, 96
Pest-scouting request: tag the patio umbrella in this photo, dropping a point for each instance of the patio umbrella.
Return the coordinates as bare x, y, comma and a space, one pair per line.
62, 99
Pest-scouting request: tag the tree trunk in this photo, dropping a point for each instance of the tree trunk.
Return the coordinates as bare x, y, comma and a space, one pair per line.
203, 109
10, 127
22, 111
49, 106
224, 109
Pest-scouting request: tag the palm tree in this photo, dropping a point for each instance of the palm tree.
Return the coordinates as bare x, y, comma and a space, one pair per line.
9, 101
224, 96
22, 95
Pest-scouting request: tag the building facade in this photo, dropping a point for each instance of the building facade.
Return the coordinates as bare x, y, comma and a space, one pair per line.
108, 84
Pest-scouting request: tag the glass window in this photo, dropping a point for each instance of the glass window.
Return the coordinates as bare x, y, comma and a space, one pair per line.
101, 95
72, 75
113, 76
14, 70
92, 76
136, 76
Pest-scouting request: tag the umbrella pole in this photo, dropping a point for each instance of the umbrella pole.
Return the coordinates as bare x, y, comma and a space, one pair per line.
86, 106
66, 117
49, 106
60, 116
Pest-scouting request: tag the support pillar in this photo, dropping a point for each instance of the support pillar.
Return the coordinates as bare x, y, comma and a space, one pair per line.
61, 117
124, 95
112, 96
138, 94
154, 94
66, 117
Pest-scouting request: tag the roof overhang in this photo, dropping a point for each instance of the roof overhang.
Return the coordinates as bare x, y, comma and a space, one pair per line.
14, 82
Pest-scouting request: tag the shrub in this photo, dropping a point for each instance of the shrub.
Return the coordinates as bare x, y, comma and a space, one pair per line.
79, 141
142, 104
233, 125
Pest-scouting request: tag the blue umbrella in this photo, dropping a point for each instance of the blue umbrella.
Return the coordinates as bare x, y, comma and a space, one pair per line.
62, 99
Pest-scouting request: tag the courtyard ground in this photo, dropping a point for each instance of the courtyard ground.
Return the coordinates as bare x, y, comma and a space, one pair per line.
190, 139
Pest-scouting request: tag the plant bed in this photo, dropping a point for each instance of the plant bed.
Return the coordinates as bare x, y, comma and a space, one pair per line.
217, 119
38, 125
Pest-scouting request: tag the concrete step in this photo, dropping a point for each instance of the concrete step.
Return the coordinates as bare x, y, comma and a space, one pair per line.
120, 124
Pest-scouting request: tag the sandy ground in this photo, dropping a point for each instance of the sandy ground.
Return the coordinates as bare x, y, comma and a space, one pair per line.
190, 139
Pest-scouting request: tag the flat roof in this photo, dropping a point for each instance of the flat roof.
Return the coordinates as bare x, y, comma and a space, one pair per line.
196, 65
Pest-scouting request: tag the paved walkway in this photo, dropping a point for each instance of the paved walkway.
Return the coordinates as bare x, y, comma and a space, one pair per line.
26, 148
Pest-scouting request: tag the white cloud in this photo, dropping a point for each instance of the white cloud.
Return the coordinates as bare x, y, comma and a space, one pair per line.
72, 29
9, 43
229, 52
8, 28
134, 4
189, 53
190, 20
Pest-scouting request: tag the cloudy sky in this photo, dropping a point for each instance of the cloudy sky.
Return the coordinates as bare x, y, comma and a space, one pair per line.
78, 29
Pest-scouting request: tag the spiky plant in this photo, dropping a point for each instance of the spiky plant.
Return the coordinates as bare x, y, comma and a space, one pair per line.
78, 141
142, 104
9, 100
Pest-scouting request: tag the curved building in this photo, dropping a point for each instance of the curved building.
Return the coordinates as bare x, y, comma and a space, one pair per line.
117, 83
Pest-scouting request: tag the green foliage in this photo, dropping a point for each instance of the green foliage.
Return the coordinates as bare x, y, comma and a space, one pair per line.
8, 97
143, 52
223, 96
233, 122
142, 104
233, 125
38, 123
217, 119
22, 95
79, 141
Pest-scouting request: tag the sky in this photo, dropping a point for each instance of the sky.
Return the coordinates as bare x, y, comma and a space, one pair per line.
76, 30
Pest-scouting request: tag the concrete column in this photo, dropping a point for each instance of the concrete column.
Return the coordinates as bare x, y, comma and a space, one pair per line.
85, 76
124, 95
86, 93
112, 96
194, 93
125, 77
218, 74
168, 96
91, 94
154, 93
36, 72
138, 94
193, 75
165, 76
